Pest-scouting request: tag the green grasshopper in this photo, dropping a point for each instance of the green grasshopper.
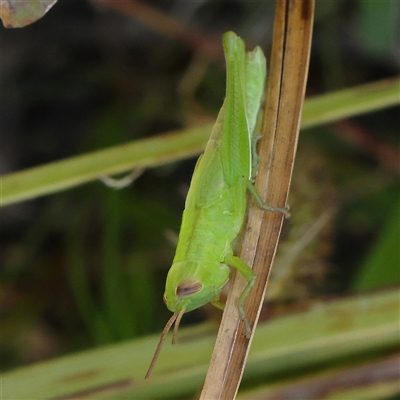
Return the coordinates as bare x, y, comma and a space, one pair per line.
216, 203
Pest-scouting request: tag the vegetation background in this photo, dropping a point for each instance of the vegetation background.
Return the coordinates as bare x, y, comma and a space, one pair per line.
86, 267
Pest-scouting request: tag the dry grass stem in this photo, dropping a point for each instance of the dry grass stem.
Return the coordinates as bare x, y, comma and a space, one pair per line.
285, 95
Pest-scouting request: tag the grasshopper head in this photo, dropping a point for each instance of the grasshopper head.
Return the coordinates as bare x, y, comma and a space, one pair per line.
191, 284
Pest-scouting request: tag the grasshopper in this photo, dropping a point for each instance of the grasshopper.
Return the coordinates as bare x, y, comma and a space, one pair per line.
216, 203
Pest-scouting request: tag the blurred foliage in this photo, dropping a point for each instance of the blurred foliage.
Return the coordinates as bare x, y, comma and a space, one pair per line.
345, 349
87, 267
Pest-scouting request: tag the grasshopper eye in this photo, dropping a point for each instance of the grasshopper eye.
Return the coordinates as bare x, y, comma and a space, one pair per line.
188, 287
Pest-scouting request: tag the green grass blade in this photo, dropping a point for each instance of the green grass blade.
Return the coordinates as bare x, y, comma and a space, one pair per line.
350, 102
176, 145
382, 267
331, 333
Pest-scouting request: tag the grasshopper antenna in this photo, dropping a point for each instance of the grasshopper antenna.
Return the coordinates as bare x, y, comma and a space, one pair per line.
175, 317
178, 321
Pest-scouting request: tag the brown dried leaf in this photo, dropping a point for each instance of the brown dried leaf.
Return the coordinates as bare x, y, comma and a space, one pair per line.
19, 13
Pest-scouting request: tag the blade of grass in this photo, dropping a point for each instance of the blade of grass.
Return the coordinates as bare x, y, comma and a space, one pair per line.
92, 316
375, 379
114, 282
350, 102
177, 145
382, 267
347, 329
